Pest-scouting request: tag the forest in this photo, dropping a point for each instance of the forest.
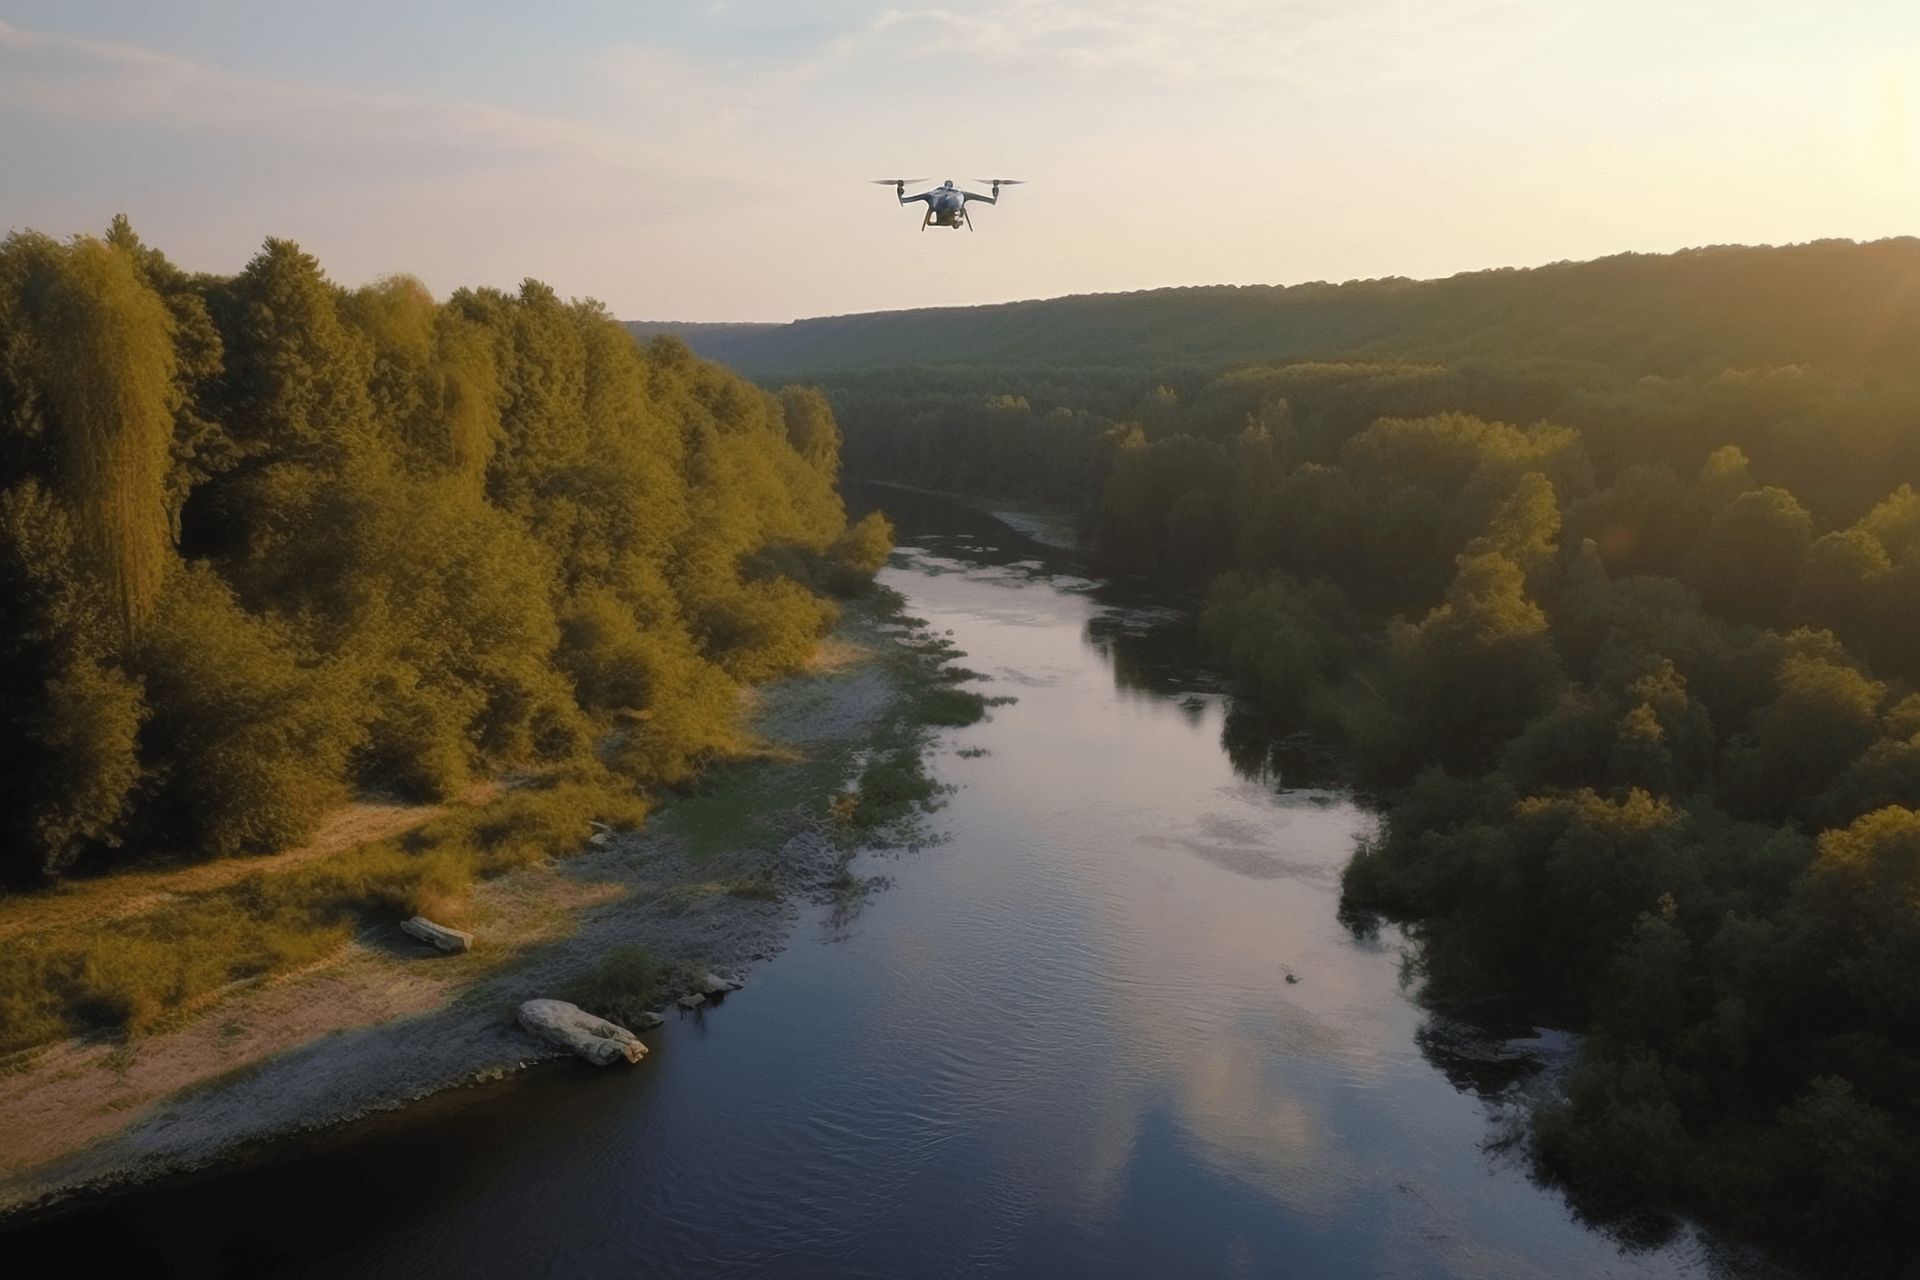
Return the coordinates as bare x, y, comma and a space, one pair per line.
1826, 302
267, 542
1607, 577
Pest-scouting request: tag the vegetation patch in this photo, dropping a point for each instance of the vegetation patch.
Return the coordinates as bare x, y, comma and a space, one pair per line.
949, 708
629, 981
143, 971
892, 787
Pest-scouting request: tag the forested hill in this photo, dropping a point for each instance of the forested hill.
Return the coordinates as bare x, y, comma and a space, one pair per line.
698, 335
1832, 302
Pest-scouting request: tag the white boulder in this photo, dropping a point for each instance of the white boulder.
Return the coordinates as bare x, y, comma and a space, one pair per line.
712, 984
438, 934
573, 1028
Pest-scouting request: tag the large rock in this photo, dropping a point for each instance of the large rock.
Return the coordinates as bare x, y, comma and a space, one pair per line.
438, 934
573, 1028
712, 984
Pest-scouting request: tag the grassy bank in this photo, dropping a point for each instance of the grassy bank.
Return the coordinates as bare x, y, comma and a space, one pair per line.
138, 974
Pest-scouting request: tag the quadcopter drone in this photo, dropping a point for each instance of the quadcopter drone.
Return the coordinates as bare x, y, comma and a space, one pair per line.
946, 203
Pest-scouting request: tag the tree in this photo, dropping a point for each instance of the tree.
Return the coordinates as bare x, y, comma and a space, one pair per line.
68, 765
811, 429
1837, 581
1825, 714
107, 378
298, 377
1479, 666
1747, 561
1868, 873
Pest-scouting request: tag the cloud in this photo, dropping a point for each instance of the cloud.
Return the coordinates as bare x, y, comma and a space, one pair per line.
1214, 41
120, 84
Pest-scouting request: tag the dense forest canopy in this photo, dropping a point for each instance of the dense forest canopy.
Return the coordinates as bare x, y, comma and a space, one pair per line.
1608, 575
1833, 303
264, 539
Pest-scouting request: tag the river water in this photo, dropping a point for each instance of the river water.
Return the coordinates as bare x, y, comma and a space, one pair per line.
1061, 1041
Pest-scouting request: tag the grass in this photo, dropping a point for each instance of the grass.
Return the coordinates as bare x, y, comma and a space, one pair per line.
892, 787
136, 975
629, 981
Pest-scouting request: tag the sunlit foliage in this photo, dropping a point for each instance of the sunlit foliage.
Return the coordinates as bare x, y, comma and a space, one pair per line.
264, 540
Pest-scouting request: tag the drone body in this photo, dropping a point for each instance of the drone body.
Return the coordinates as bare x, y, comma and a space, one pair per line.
946, 203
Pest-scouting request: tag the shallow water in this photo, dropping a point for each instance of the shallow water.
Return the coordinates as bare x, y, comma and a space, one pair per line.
1060, 1041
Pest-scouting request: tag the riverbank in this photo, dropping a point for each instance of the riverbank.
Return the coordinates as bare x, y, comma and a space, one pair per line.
714, 880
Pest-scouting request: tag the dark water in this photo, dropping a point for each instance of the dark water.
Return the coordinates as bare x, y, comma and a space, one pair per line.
1061, 1043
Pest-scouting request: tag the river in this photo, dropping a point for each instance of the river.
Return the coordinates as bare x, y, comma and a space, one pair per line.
1061, 1040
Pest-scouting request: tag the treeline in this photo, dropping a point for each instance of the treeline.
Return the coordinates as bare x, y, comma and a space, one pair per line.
264, 539
1633, 656
1054, 433
1834, 303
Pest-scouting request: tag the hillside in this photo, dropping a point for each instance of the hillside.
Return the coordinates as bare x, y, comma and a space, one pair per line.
1829, 302
701, 335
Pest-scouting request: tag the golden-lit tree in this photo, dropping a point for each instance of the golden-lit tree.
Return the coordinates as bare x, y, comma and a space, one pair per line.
107, 374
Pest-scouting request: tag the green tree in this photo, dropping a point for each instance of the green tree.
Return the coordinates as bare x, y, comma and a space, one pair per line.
1479, 666
1746, 563
107, 380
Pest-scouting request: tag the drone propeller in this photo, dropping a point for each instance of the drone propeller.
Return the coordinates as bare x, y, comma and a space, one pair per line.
894, 182
1005, 182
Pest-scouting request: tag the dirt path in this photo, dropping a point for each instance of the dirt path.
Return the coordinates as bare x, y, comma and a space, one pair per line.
114, 897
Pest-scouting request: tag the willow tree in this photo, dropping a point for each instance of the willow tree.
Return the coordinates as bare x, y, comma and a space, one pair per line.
108, 383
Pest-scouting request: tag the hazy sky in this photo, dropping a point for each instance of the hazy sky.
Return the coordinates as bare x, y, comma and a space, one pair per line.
706, 160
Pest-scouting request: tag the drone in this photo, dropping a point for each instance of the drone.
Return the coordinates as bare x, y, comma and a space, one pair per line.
946, 203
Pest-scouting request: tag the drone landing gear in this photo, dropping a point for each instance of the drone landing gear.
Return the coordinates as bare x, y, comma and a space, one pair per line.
929, 218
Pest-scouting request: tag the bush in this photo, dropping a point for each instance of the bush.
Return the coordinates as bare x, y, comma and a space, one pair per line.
255, 742
628, 982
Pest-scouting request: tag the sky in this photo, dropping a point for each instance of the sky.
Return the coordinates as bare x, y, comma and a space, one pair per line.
708, 161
